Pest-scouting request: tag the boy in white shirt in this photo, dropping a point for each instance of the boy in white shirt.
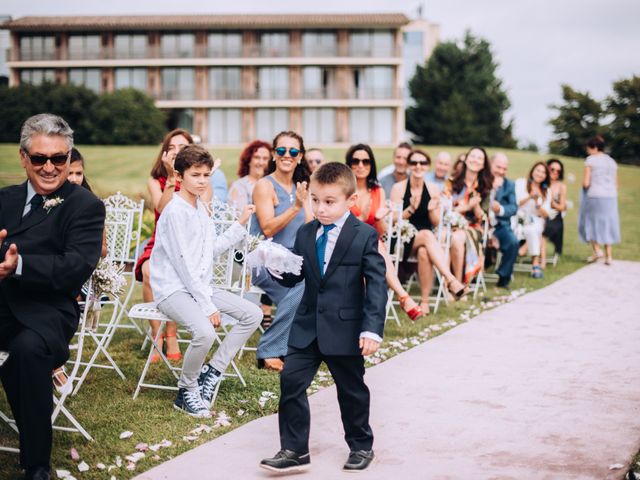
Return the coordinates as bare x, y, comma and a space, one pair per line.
181, 275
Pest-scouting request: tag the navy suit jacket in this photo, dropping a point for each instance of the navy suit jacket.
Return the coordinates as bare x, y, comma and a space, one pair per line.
506, 196
60, 249
351, 296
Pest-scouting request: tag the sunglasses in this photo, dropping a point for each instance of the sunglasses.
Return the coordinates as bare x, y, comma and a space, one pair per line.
556, 170
281, 151
424, 163
364, 161
39, 160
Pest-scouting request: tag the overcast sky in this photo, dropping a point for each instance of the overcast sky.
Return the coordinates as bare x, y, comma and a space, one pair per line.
539, 44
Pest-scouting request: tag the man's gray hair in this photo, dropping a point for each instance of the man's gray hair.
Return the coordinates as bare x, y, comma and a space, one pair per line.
45, 124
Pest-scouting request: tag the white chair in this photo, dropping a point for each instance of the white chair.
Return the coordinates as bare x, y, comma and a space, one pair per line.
393, 233
480, 282
123, 226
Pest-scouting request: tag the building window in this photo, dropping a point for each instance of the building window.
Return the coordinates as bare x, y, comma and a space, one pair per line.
181, 45
371, 125
318, 82
84, 47
273, 83
274, 44
225, 126
319, 125
319, 44
37, 76
225, 83
131, 78
130, 46
178, 84
224, 45
270, 121
86, 77
373, 83
37, 48
371, 43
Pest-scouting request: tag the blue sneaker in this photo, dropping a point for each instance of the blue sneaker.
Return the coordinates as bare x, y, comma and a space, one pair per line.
207, 381
536, 272
190, 402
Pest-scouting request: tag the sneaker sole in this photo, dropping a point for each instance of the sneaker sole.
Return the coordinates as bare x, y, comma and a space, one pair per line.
287, 470
349, 470
194, 415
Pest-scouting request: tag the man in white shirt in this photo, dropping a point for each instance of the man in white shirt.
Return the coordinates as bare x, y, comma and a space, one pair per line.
440, 170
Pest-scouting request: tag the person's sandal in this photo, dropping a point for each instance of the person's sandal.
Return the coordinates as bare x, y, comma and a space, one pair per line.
61, 380
267, 320
460, 292
413, 312
173, 356
595, 257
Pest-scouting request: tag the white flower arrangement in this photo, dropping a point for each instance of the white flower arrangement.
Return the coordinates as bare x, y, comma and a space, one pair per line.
50, 203
454, 219
272, 256
407, 232
107, 279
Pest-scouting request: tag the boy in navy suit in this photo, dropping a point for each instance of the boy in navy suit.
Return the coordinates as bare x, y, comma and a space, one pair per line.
340, 319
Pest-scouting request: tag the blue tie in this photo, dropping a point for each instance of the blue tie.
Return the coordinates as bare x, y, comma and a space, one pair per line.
321, 246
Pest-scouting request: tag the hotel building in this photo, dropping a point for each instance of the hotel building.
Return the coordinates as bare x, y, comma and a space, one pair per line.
337, 79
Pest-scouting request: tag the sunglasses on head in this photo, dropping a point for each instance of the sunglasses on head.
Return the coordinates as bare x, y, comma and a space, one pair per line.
424, 163
39, 160
281, 151
364, 161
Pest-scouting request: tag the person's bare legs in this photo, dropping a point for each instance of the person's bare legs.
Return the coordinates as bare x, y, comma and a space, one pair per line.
458, 239
543, 252
170, 328
608, 251
425, 275
393, 281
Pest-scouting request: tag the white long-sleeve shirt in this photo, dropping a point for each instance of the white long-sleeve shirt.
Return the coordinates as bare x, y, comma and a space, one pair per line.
185, 247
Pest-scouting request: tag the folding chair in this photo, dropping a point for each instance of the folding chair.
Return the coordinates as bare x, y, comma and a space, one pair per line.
394, 224
123, 226
60, 412
443, 234
480, 282
224, 216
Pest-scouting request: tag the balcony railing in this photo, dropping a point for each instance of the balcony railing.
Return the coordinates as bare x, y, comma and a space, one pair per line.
286, 94
177, 94
36, 56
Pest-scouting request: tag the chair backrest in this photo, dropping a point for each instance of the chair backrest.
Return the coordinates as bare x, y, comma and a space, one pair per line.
394, 223
123, 226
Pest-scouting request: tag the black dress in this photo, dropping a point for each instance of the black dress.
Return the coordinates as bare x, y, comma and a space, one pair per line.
420, 218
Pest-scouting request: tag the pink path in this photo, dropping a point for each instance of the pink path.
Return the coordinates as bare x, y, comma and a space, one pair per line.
544, 387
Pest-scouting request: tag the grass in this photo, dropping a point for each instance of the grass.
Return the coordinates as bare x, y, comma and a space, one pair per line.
104, 405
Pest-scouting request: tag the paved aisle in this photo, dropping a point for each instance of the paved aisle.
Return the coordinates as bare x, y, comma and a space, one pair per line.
544, 387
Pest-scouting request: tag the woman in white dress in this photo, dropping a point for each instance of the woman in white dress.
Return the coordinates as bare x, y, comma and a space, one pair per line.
534, 205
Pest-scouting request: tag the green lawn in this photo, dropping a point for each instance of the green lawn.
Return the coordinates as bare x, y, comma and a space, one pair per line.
104, 405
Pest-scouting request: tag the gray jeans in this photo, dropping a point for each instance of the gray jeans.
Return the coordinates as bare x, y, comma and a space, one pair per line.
183, 309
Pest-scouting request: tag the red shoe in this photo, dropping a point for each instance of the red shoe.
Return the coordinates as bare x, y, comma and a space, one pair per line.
414, 312
173, 356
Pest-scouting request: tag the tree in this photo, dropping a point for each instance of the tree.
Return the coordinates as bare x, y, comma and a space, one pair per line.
126, 117
578, 120
459, 99
624, 129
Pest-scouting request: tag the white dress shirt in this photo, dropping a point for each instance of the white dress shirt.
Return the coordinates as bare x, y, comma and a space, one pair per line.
332, 238
185, 247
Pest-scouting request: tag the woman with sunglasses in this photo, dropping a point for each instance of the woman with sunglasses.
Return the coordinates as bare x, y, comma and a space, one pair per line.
281, 208
421, 207
554, 227
470, 190
371, 208
162, 184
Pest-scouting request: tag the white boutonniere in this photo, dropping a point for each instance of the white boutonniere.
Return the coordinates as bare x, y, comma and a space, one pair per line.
50, 203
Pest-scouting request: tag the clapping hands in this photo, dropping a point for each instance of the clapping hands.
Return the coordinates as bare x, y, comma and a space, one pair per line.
302, 193
9, 261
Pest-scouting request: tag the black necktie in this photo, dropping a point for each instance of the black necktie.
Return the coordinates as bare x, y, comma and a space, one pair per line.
35, 202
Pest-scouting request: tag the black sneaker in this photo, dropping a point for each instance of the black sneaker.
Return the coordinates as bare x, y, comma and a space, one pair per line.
503, 282
207, 381
190, 402
358, 460
287, 461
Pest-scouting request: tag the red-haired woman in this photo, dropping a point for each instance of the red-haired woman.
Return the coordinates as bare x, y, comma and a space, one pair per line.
162, 184
251, 168
470, 190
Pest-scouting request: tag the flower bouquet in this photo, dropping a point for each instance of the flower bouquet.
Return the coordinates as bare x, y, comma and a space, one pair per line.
407, 232
455, 220
107, 279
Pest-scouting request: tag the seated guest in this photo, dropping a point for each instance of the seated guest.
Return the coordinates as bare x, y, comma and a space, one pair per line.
181, 276
314, 158
503, 207
439, 174
421, 207
370, 207
253, 163
534, 203
50, 240
470, 190
554, 227
399, 173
